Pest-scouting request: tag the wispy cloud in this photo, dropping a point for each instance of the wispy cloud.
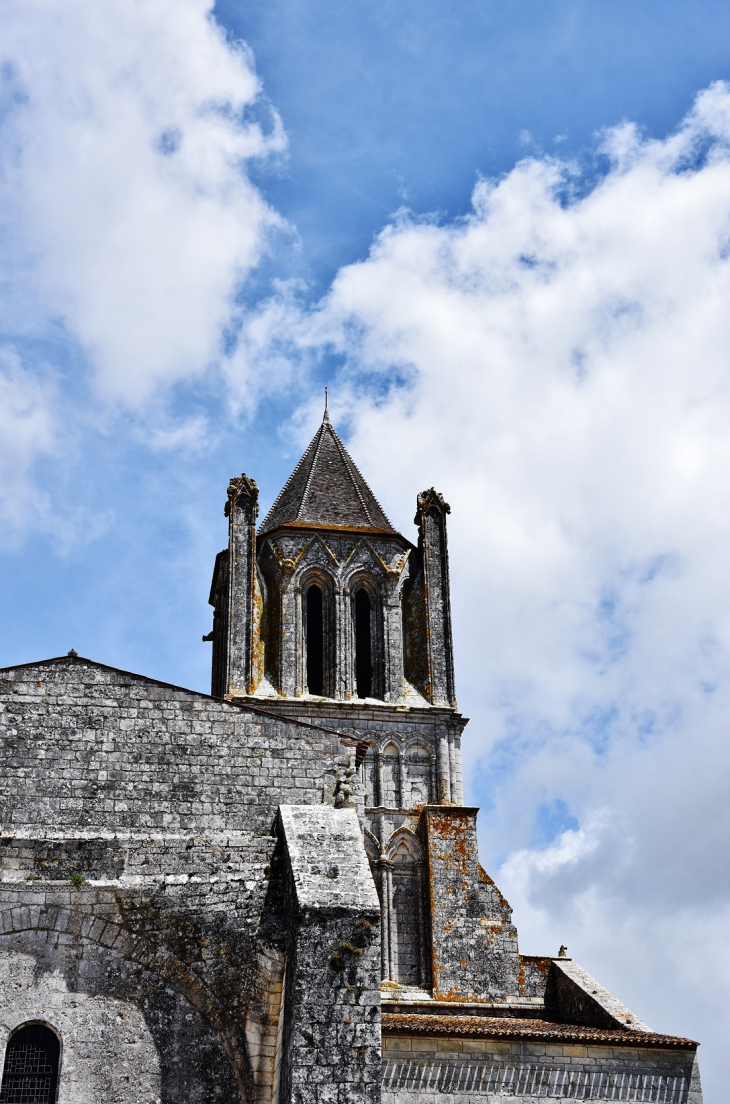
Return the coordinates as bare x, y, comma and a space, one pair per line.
28, 428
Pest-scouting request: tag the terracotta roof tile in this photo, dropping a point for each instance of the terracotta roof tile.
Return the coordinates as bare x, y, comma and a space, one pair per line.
501, 1027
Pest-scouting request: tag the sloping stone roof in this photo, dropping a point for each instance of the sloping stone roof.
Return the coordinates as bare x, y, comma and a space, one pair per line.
328, 861
326, 491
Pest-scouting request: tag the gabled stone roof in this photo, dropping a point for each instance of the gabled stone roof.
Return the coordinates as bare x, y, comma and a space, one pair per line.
326, 491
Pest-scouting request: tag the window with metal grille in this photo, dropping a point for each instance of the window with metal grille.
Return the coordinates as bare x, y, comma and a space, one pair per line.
30, 1074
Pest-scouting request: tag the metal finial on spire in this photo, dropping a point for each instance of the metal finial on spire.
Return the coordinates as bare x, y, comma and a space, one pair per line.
326, 417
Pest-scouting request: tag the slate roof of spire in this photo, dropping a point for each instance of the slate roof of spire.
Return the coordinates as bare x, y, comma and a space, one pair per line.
326, 491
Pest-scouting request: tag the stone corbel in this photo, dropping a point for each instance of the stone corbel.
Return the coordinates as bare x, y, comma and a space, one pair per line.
287, 564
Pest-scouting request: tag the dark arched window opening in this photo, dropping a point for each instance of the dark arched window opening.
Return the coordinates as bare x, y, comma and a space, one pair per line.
31, 1067
363, 645
315, 642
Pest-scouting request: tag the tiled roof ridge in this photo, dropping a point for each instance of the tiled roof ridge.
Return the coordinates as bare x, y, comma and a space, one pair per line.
313, 465
285, 488
351, 462
502, 1027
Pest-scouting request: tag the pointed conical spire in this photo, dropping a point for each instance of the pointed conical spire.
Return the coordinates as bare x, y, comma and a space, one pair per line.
326, 490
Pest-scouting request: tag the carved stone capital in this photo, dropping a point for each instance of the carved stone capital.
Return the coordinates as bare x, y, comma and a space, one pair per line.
288, 567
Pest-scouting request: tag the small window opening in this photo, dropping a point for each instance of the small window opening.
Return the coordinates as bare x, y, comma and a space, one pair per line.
315, 642
31, 1067
363, 649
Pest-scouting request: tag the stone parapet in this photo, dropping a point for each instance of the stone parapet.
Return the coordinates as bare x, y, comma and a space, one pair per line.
579, 999
330, 1047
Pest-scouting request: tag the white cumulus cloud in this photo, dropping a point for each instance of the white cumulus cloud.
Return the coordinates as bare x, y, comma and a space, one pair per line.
558, 364
129, 216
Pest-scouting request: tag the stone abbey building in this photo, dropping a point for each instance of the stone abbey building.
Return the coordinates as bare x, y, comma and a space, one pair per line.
273, 893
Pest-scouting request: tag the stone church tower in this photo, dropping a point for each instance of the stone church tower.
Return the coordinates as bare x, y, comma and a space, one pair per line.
331, 615
272, 894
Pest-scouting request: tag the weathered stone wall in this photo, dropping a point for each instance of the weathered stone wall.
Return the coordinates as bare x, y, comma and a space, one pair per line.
418, 749
473, 940
167, 923
83, 745
110, 1051
174, 931
135, 886
188, 940
424, 1070
126, 993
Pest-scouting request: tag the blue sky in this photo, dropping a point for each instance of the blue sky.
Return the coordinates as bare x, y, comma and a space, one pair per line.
389, 104
500, 235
